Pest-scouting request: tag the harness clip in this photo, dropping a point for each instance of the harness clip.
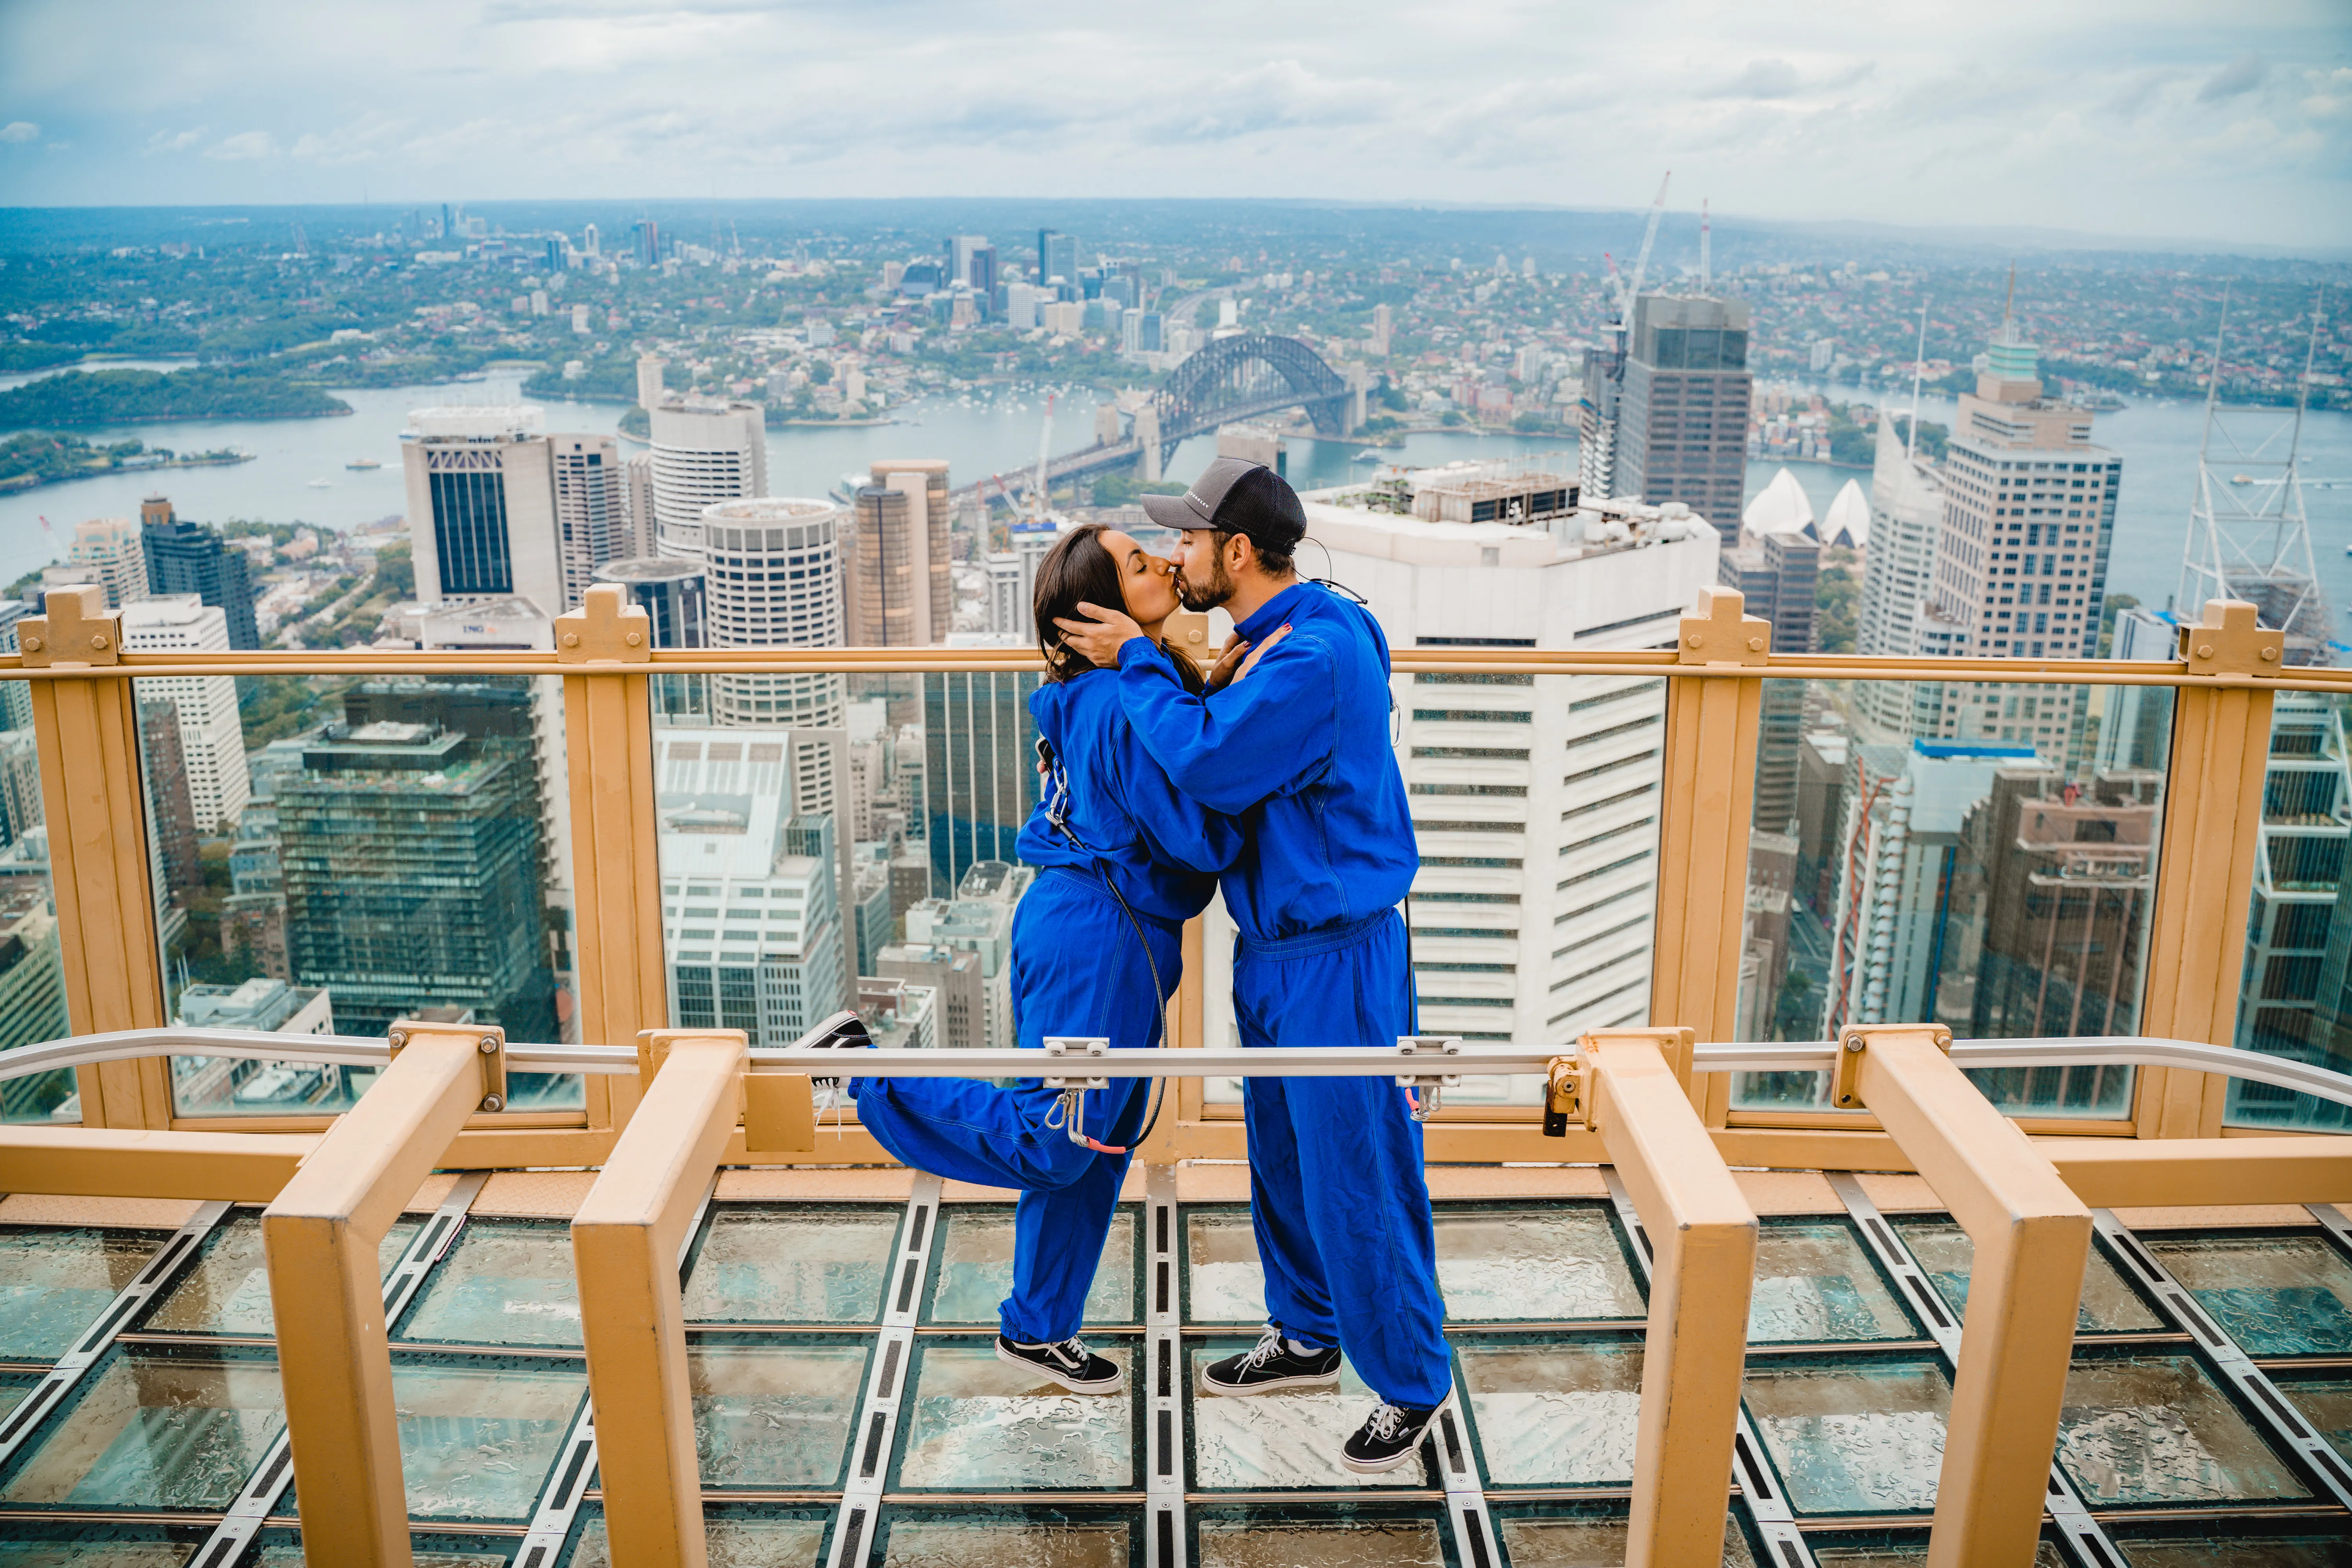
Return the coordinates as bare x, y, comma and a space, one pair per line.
1429, 1088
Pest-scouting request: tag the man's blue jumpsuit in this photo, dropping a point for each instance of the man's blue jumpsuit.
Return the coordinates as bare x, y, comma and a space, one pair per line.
1299, 750
1079, 968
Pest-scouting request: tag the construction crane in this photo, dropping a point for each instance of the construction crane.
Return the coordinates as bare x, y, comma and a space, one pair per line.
1629, 288
1044, 444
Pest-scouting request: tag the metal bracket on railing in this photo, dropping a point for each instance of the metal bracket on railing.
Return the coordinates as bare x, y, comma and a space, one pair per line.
1568, 1097
1845, 1077
489, 1039
1429, 1088
1074, 1089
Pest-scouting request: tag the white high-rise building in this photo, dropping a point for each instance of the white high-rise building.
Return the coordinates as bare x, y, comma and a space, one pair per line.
212, 736
1536, 800
705, 450
1906, 508
1005, 603
482, 505
106, 551
772, 579
592, 512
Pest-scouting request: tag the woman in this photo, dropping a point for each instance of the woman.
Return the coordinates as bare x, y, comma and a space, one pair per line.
1124, 860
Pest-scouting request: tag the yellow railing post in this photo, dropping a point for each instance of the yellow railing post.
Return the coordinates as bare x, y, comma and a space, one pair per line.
1712, 736
608, 740
626, 1241
325, 1291
86, 729
2205, 862
1703, 1240
2033, 1238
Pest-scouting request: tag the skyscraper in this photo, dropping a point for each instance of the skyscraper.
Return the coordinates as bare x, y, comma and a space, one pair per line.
106, 551
979, 779
899, 592
773, 580
481, 505
1907, 512
212, 736
705, 450
592, 515
1681, 422
1057, 260
961, 249
185, 558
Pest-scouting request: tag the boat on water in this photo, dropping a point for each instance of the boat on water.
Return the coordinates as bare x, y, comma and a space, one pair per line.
322, 484
1365, 455
360, 465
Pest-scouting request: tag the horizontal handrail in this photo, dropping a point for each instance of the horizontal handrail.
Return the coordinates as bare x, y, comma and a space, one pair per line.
1804, 1056
944, 660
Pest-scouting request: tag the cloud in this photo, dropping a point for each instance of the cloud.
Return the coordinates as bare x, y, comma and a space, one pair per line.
2241, 75
19, 130
176, 140
245, 147
1763, 79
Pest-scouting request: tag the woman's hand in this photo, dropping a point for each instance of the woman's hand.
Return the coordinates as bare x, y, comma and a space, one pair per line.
1224, 673
1099, 636
1259, 652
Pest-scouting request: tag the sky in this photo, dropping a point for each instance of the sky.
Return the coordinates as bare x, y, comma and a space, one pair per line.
2142, 119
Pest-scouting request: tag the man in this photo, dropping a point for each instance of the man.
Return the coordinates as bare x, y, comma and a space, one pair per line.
1301, 752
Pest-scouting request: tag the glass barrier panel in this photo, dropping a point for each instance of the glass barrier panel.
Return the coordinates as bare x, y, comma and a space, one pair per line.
2294, 998
32, 969
332, 853
1516, 781
1978, 856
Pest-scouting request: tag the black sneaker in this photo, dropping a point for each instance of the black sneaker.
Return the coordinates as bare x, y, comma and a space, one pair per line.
1270, 1366
1069, 1364
845, 1031
1390, 1437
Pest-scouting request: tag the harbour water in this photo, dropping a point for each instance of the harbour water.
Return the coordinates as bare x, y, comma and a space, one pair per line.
299, 473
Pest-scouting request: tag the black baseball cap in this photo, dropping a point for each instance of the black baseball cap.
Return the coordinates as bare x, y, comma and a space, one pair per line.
1236, 497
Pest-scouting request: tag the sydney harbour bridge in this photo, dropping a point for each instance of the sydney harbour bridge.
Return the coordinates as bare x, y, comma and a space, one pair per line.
1244, 376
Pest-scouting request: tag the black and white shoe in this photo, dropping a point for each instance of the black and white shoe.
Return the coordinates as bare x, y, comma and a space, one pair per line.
1389, 1436
843, 1031
1069, 1364
1272, 1365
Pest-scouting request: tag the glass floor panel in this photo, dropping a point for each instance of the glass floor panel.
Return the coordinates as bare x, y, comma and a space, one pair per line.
2238, 1543
1893, 1548
1592, 1543
2325, 1402
1319, 1537
226, 1289
976, 1423
2285, 1293
156, 1429
736, 1540
2110, 1305
2154, 1428
505, 1282
478, 1434
1866, 1437
1815, 1282
975, 1272
13, 1387
1281, 1442
993, 1538
1533, 1264
1224, 1282
27, 1543
775, 1416
1547, 1413
791, 1263
55, 1281
283, 1549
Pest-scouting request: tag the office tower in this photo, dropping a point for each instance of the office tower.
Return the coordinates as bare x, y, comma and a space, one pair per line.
955, 974
637, 500
16, 696
751, 925
555, 255
2298, 942
1383, 330
705, 450
1534, 800
1057, 260
650, 371
647, 235
1004, 601
978, 776
21, 810
1021, 306
899, 594
1777, 576
589, 243
212, 738
1682, 423
411, 844
482, 507
977, 918
185, 558
983, 278
961, 249
1597, 409
1907, 505
32, 993
170, 817
674, 597
899, 1017
1065, 319
2021, 553
870, 915
773, 580
591, 514
107, 551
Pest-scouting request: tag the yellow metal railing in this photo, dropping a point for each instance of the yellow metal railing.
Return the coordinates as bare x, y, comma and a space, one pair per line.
84, 718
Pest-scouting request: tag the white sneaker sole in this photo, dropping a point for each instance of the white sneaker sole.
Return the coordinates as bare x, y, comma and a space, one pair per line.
1381, 1467
1273, 1385
1075, 1386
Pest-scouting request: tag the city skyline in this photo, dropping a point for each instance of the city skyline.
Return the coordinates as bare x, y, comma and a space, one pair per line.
2103, 119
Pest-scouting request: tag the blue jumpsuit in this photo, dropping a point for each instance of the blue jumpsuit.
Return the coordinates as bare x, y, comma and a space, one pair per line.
1077, 968
1301, 752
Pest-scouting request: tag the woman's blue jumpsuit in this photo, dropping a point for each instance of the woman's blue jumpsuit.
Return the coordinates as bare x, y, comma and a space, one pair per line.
1079, 968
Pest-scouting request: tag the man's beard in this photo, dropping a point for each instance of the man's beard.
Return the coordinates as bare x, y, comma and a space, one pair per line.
1220, 588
